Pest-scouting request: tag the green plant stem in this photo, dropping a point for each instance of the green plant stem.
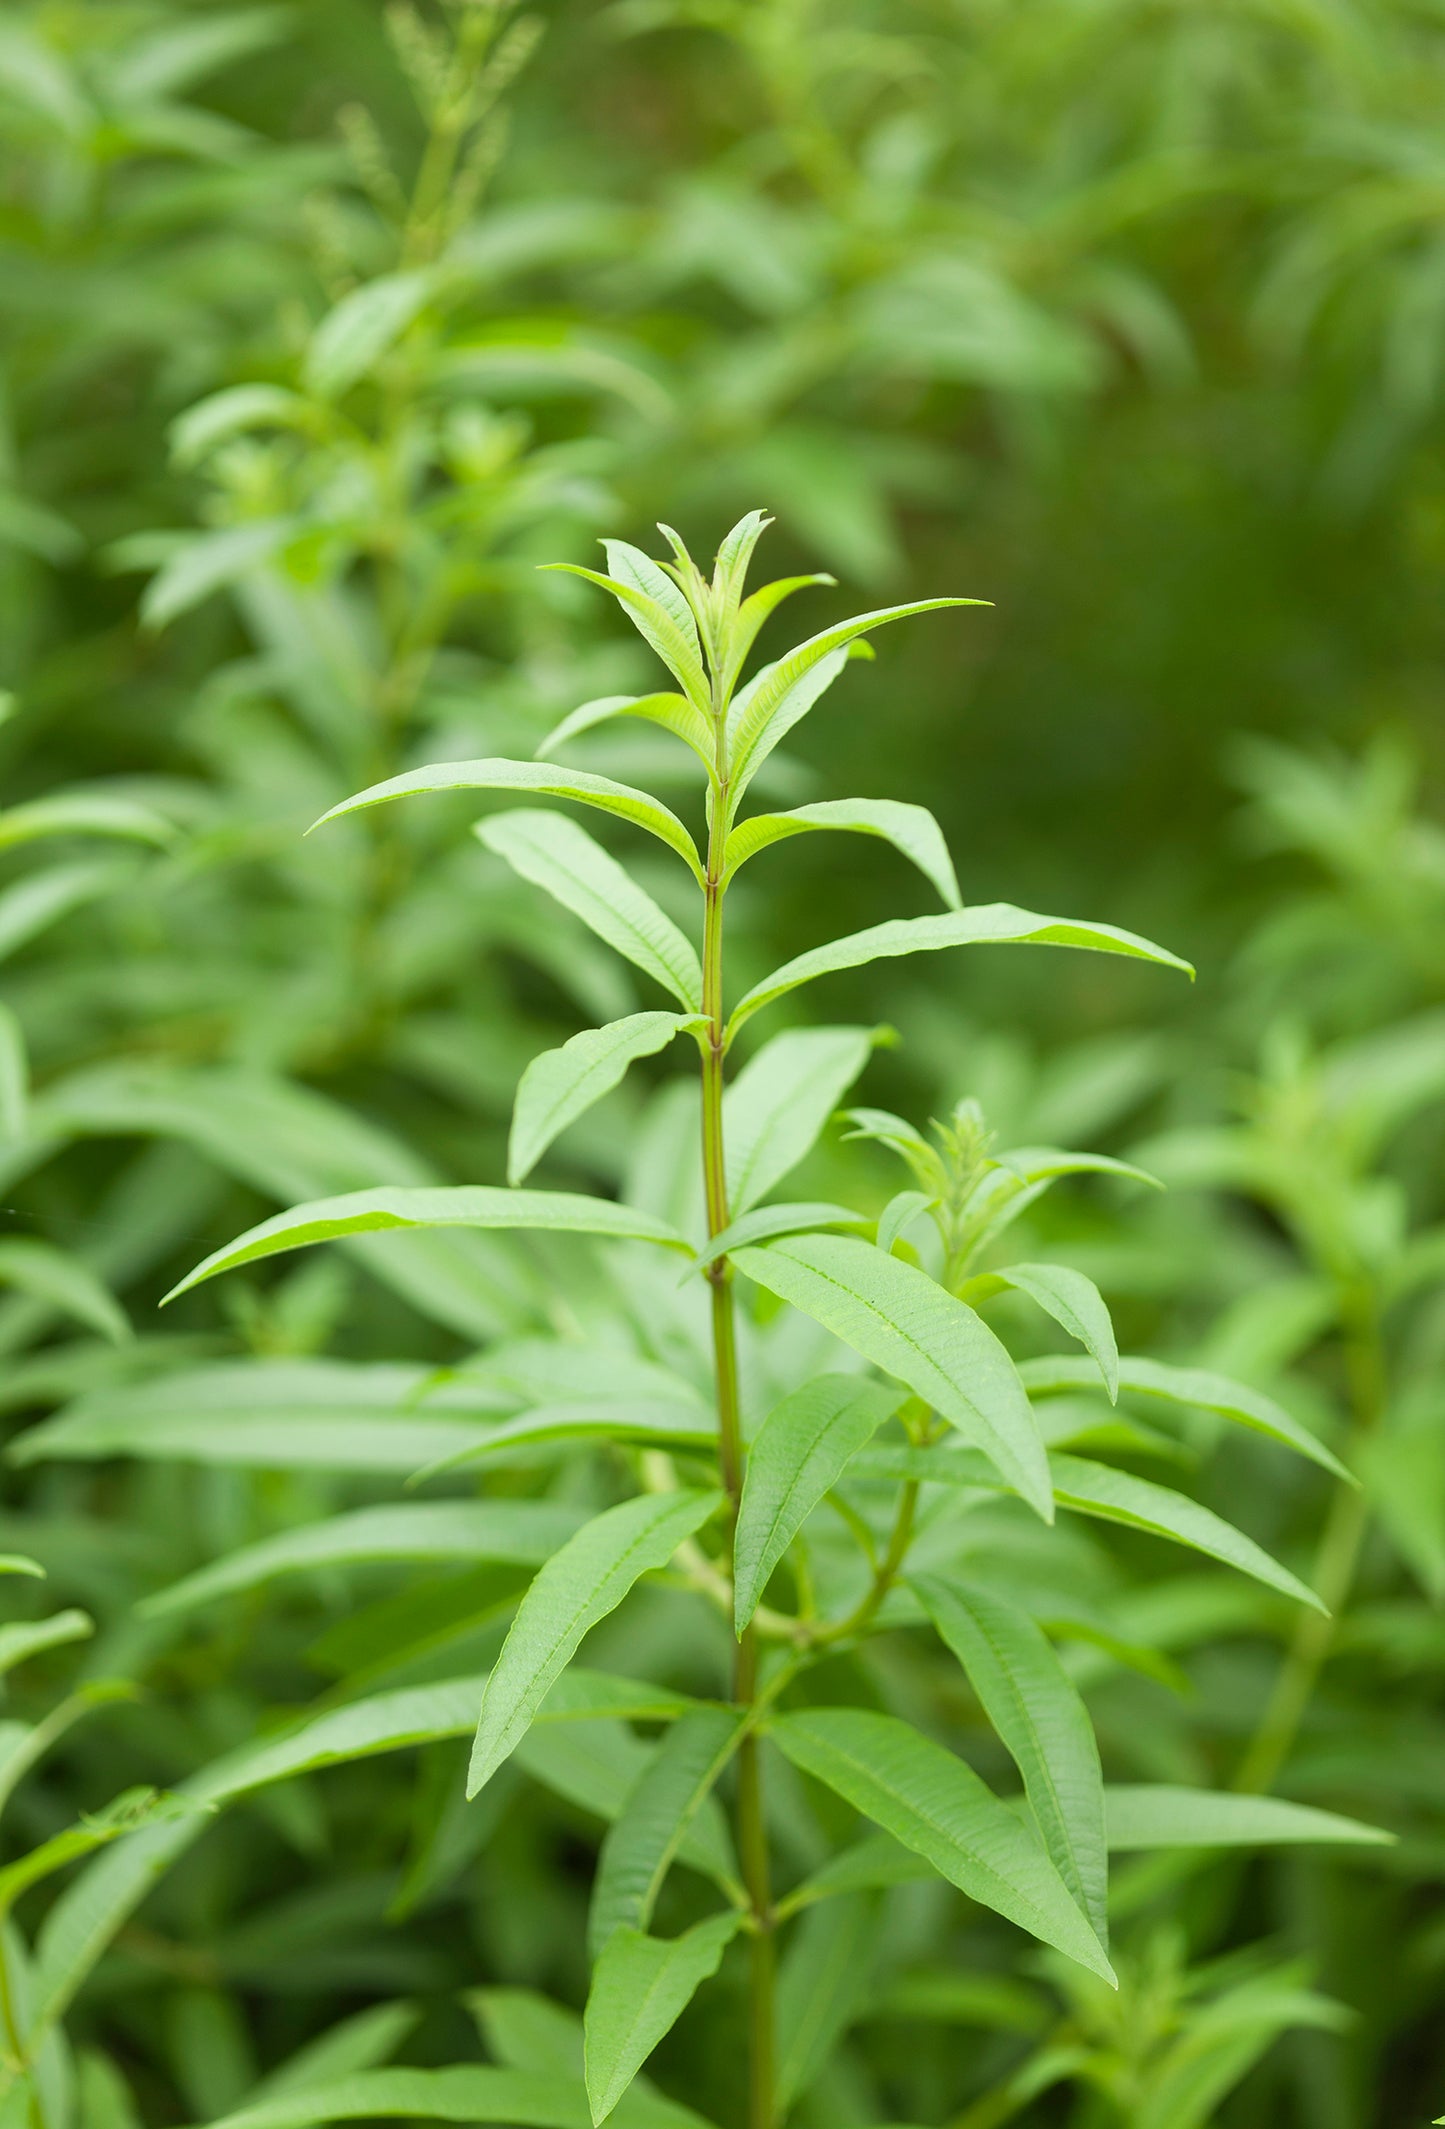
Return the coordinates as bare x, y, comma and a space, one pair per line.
752, 1834
1336, 1563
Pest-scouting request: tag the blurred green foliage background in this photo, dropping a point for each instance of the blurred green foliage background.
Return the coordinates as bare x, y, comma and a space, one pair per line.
320, 327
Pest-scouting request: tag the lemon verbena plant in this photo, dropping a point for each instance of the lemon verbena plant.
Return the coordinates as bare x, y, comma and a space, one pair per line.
906, 1413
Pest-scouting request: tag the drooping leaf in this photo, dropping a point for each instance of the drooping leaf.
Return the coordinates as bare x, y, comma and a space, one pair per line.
558, 856
781, 1099
1155, 1815
910, 829
1199, 1387
1035, 1708
578, 1586
801, 1450
640, 1988
1120, 1497
560, 1085
1070, 1298
521, 1532
64, 1281
645, 1838
501, 775
903, 1322
372, 1211
990, 924
935, 1804
674, 641
94, 812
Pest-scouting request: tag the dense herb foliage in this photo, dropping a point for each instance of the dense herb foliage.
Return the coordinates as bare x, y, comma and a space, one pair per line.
760, 1575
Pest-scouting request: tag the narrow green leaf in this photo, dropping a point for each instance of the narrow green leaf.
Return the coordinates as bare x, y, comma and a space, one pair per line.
496, 774
766, 1222
29, 906
14, 1079
898, 1215
747, 617
561, 1085
826, 1975
645, 1838
32, 1637
20, 1563
629, 565
560, 857
468, 2093
1119, 1497
95, 812
1200, 1387
1034, 1706
675, 645
876, 1860
936, 1805
360, 329
760, 713
897, 1317
640, 1988
990, 924
477, 1205
526, 1533
781, 1099
127, 1814
597, 1768
64, 1282
581, 1584
1070, 1298
910, 829
1156, 1816
673, 712
801, 1450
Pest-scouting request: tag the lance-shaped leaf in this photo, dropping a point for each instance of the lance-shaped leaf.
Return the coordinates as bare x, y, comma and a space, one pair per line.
781, 1099
466, 2092
546, 776
1200, 1387
936, 1805
83, 813
903, 1322
1035, 1707
748, 617
990, 924
372, 1211
561, 1085
910, 829
644, 1839
674, 713
801, 1451
579, 1585
525, 1533
1150, 1815
760, 714
66, 1282
640, 1989
660, 615
562, 858
1119, 1497
768, 1221
827, 1974
1070, 1298
31, 1637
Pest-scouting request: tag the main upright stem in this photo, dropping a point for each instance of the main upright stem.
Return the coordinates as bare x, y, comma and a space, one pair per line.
751, 1828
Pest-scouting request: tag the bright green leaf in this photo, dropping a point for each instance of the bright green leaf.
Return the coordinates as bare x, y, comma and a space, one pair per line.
801, 1450
935, 1804
579, 1585
781, 1099
647, 1834
910, 829
897, 1317
561, 1085
1153, 1815
640, 1988
990, 924
1199, 1387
